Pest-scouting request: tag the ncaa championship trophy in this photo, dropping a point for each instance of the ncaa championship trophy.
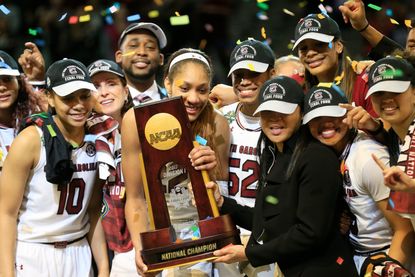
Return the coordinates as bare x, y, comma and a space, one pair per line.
180, 233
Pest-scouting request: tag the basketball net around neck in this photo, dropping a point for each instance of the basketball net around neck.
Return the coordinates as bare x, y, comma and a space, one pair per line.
404, 202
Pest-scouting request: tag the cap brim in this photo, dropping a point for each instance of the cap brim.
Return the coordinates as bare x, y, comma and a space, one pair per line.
332, 111
250, 65
70, 87
107, 70
158, 33
314, 36
389, 86
9, 72
276, 106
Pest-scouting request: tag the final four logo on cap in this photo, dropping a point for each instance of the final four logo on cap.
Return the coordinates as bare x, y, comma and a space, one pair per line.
318, 27
391, 74
252, 55
280, 94
324, 100
67, 76
274, 91
104, 65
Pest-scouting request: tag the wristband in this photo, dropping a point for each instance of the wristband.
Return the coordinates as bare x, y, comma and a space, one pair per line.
364, 28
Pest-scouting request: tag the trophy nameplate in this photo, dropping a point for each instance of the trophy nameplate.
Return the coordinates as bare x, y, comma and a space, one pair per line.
166, 140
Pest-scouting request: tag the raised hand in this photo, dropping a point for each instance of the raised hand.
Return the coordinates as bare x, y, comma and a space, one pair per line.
395, 178
359, 118
32, 62
353, 11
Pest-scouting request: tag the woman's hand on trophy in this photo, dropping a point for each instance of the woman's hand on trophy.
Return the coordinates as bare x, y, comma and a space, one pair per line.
203, 158
230, 254
142, 267
216, 193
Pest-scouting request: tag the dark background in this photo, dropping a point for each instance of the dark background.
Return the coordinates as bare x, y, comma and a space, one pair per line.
215, 26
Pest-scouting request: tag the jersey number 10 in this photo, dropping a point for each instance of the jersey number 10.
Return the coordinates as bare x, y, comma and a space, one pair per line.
68, 192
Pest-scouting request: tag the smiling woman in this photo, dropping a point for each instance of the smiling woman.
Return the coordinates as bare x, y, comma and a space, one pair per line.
16, 102
324, 55
374, 228
49, 188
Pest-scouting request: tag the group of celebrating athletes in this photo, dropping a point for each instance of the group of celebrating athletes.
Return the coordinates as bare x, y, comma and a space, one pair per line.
310, 155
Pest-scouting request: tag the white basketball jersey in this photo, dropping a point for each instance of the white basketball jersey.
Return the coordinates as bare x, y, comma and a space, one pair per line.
243, 162
51, 212
364, 186
7, 136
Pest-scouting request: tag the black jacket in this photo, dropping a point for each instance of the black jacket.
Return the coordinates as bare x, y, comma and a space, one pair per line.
295, 221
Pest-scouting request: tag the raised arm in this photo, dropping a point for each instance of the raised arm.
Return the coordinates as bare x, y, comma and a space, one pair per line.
354, 12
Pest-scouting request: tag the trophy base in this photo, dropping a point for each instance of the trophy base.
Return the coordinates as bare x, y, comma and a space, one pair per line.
161, 250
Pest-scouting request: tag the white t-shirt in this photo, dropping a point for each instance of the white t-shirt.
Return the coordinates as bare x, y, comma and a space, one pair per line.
363, 184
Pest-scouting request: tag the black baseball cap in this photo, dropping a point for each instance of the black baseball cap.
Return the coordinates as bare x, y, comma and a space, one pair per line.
324, 100
104, 65
391, 74
153, 28
8, 65
67, 76
253, 55
280, 94
318, 27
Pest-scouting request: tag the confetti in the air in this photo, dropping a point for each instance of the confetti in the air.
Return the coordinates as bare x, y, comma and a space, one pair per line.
271, 200
85, 18
329, 9
375, 7
263, 6
63, 16
158, 2
302, 4
109, 20
263, 33
340, 260
179, 20
88, 8
393, 21
153, 14
73, 19
209, 27
389, 12
134, 17
4, 9
322, 8
202, 44
114, 8
32, 32
262, 15
408, 23
288, 12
